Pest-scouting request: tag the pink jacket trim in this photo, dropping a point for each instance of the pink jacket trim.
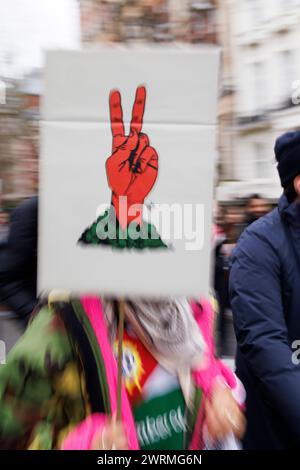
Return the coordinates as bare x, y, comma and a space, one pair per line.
81, 437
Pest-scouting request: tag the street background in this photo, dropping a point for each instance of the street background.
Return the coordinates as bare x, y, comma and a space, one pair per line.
259, 90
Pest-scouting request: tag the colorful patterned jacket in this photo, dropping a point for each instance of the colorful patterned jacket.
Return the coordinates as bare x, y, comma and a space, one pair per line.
60, 381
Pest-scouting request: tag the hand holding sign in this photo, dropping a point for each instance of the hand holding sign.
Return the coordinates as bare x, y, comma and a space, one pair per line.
133, 166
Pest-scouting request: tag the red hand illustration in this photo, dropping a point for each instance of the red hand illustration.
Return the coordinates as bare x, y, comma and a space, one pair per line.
133, 166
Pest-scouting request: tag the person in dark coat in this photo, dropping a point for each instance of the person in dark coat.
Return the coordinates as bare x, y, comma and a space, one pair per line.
18, 261
265, 299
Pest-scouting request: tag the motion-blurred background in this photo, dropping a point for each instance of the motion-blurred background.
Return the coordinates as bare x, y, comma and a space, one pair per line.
259, 89
260, 79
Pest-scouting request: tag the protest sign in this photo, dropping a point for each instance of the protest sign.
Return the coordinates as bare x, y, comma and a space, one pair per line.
127, 169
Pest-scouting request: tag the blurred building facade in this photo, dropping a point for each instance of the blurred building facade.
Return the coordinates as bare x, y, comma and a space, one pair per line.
19, 129
260, 82
264, 38
102, 21
148, 20
27, 29
227, 93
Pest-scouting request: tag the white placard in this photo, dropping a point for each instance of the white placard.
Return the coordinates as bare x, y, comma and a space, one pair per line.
180, 92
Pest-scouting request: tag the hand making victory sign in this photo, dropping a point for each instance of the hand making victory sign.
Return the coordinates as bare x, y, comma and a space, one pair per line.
133, 166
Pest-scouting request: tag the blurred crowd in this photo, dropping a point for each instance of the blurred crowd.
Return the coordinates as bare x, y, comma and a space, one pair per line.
230, 221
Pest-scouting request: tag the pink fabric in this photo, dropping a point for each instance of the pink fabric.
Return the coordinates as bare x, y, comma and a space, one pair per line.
213, 367
81, 437
94, 311
90, 425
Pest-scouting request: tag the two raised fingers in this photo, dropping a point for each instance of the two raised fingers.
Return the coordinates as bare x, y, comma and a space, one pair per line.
138, 110
116, 115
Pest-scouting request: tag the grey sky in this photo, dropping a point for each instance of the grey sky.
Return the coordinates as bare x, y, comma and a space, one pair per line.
29, 27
